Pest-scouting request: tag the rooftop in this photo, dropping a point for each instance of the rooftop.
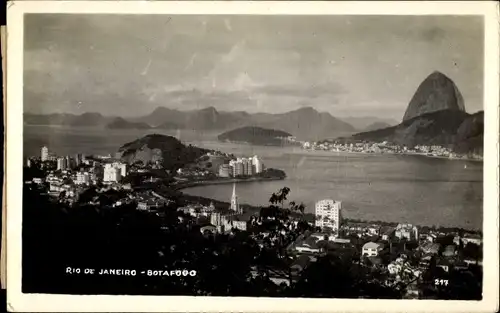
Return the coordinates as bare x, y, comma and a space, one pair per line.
308, 242
386, 230
372, 245
405, 226
322, 234
207, 226
473, 236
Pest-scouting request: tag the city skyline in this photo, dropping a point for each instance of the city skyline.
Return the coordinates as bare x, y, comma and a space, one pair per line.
77, 64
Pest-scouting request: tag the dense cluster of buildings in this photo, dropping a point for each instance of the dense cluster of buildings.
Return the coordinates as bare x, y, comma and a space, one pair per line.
216, 164
62, 163
149, 201
72, 175
217, 221
225, 222
386, 147
403, 251
197, 210
86, 170
242, 167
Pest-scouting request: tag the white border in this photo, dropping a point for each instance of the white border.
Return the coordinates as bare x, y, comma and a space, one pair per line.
18, 302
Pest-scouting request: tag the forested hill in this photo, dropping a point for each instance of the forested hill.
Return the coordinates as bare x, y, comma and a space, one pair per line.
168, 150
256, 135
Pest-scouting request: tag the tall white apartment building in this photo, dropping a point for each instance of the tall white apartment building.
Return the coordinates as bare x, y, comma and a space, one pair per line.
62, 164
122, 167
328, 214
78, 159
69, 162
111, 173
237, 166
247, 166
257, 164
45, 154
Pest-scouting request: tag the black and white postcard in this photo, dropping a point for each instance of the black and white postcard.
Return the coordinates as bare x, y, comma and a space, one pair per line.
265, 156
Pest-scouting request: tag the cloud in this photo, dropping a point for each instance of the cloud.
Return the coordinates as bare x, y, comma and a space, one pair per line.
433, 34
133, 63
191, 61
302, 90
227, 23
146, 69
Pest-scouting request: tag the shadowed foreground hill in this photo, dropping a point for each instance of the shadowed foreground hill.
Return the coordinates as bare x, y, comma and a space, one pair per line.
89, 236
102, 237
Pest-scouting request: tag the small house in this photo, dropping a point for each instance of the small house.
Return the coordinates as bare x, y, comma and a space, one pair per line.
372, 249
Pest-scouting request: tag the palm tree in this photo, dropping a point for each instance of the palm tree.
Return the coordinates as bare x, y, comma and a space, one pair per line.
297, 207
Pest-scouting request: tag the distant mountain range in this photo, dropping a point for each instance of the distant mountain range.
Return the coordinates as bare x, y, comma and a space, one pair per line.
305, 123
366, 123
85, 119
256, 136
120, 123
435, 116
377, 125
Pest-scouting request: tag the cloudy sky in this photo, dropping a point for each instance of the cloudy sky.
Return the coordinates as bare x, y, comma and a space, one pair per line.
345, 65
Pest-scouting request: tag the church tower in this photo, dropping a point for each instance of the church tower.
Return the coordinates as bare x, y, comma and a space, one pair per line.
235, 207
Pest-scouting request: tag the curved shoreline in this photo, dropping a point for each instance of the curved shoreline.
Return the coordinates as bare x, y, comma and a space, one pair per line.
309, 217
224, 181
398, 154
252, 207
